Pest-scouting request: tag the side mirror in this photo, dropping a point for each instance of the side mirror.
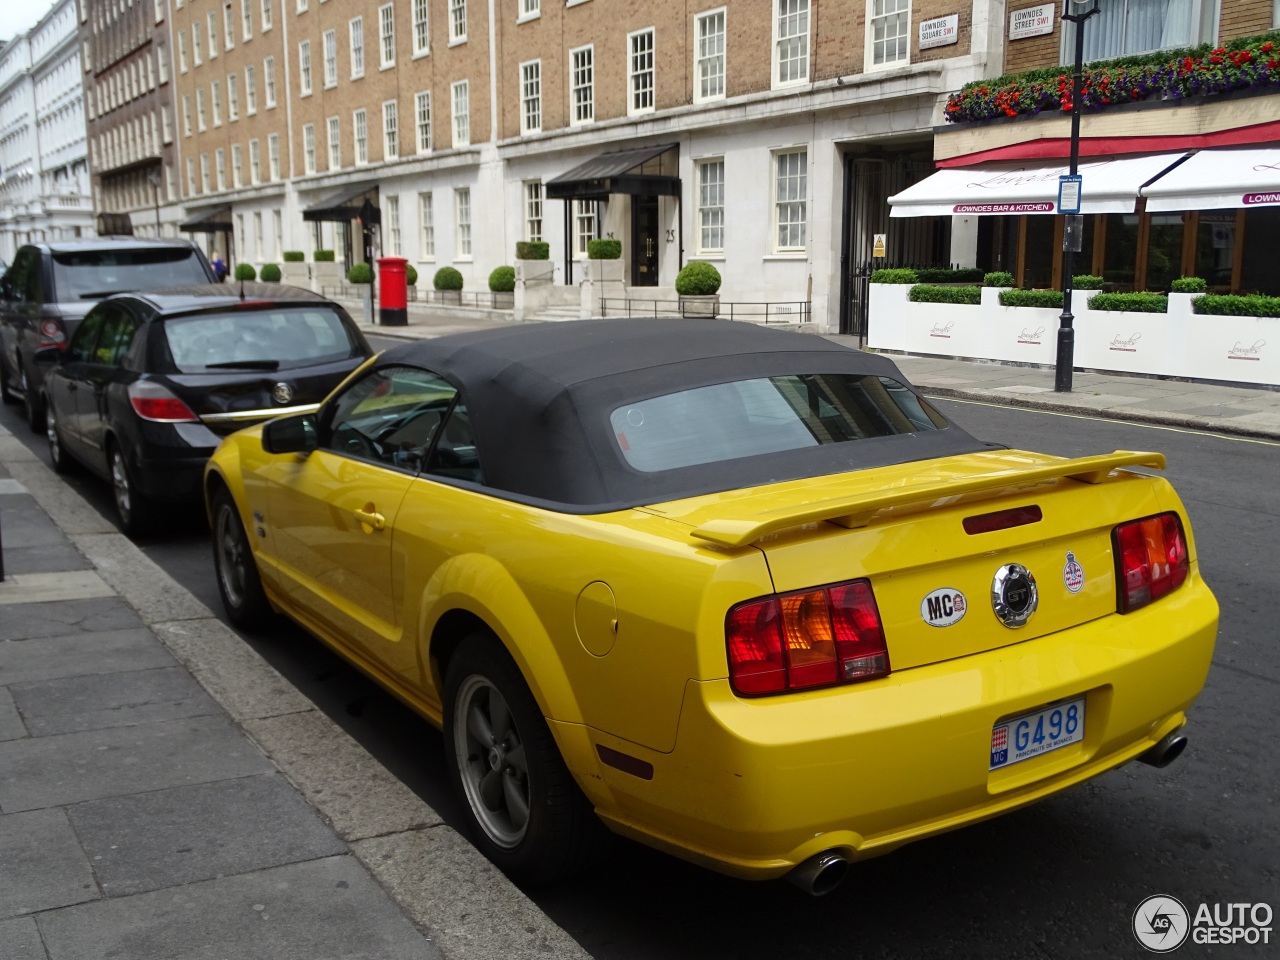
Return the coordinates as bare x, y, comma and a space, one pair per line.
295, 434
52, 355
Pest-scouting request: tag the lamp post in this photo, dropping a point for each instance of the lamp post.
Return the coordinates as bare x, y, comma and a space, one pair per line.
1072, 235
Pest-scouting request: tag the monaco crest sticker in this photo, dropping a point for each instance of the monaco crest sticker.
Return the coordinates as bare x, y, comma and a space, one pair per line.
1073, 573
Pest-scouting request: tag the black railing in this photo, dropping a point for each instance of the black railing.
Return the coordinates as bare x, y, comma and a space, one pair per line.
796, 311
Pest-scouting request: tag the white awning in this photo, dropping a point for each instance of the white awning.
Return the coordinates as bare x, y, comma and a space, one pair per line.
1213, 179
1009, 189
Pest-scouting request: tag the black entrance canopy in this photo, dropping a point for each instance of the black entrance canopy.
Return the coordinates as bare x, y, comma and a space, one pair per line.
355, 202
641, 172
216, 220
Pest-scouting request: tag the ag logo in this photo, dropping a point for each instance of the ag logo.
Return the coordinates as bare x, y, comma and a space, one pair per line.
943, 607
1161, 923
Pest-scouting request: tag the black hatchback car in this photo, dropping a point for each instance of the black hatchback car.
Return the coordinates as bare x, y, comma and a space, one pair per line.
151, 382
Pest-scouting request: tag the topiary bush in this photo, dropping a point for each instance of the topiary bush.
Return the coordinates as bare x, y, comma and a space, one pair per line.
1086, 281
1137, 302
998, 278
1189, 285
270, 273
294, 256
323, 256
502, 280
894, 275
410, 274
698, 279
360, 273
1236, 305
927, 293
604, 249
533, 250
1031, 298
245, 271
447, 278
949, 275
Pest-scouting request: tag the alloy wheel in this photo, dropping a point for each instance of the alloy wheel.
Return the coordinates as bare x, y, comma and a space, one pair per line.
120, 486
232, 555
491, 761
51, 434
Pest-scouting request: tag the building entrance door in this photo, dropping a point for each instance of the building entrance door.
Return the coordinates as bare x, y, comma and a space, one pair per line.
644, 241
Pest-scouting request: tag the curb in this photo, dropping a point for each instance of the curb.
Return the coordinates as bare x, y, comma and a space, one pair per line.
456, 897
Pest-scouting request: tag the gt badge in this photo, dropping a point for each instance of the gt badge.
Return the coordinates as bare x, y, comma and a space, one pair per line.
282, 393
943, 607
1014, 596
1073, 573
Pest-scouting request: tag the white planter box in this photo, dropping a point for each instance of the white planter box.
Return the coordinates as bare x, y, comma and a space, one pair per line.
887, 309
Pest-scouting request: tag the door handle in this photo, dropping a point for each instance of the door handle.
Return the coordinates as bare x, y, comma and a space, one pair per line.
370, 519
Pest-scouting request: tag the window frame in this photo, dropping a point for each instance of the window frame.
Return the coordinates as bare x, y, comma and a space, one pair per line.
333, 132
462, 223
305, 80
534, 197
776, 60
576, 103
386, 36
309, 148
527, 100
700, 206
329, 54
355, 48
633, 109
390, 131
457, 22
699, 59
775, 203
420, 27
461, 120
426, 227
360, 136
869, 64
420, 98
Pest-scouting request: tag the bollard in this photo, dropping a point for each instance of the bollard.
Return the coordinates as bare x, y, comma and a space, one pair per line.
393, 306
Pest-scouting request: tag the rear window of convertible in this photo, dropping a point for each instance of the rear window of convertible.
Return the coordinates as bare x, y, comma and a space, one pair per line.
747, 418
258, 339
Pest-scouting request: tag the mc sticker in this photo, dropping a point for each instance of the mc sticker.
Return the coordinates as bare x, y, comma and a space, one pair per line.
1073, 573
943, 607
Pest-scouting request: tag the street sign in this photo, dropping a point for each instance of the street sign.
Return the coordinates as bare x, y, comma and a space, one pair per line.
877, 246
940, 31
1069, 193
1032, 21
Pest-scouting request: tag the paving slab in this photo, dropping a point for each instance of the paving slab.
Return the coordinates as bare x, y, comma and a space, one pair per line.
80, 654
187, 834
153, 593
73, 767
10, 486
95, 615
320, 910
71, 704
55, 587
25, 525
11, 725
20, 940
41, 864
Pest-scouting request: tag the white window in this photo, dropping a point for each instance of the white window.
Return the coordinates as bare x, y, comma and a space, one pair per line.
422, 120
273, 156
1128, 27
302, 6
266, 15
200, 116
582, 101
421, 31
255, 162
790, 198
584, 226
462, 209
186, 114
250, 90
159, 11
277, 223
166, 123
335, 144
533, 209
257, 236
241, 245
215, 100
360, 132
390, 132
640, 72
791, 41
162, 63
228, 27
710, 206
889, 23
213, 35
237, 166
220, 167
461, 114
182, 51
457, 21
204, 173
269, 80
426, 228
304, 69
330, 41
246, 17
531, 96
356, 29
386, 36
391, 207
191, 176
709, 56
233, 96
529, 9
309, 147
196, 53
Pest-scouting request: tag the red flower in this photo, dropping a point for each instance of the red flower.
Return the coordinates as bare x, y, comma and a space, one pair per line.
1267, 47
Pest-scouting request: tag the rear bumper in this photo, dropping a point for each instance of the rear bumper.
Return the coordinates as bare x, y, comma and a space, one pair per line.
754, 787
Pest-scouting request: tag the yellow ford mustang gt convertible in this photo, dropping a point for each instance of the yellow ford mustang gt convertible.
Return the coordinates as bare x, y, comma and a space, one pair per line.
739, 594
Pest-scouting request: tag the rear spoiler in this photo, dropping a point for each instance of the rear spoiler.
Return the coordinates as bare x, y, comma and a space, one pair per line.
857, 511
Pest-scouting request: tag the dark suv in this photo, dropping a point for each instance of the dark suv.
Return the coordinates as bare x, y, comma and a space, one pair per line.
49, 288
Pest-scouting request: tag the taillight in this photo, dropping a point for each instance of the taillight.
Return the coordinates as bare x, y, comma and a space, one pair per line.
1151, 560
153, 402
52, 333
806, 639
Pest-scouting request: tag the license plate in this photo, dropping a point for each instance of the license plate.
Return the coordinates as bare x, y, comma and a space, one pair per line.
1030, 735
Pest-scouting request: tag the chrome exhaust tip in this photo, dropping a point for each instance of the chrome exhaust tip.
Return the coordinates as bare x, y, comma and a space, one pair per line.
821, 873
1166, 751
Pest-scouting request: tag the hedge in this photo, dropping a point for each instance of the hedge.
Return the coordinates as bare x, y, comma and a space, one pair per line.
604, 249
949, 275
323, 256
1086, 281
1031, 298
245, 271
360, 273
1189, 285
410, 274
533, 250
895, 275
998, 278
502, 279
270, 273
294, 256
447, 278
926, 293
697, 279
1138, 302
1236, 305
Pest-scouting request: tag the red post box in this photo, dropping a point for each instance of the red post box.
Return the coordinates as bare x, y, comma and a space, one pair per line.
393, 304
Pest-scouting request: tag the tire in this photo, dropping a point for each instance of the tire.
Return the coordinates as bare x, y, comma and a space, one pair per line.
62, 463
32, 402
237, 572
135, 510
524, 810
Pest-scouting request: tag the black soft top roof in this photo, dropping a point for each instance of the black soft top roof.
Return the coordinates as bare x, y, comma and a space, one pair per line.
539, 398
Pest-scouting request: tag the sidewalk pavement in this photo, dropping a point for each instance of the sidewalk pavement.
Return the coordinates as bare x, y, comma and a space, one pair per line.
165, 794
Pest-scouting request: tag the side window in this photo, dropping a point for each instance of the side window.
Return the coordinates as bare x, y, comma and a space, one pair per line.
81, 347
455, 453
32, 286
117, 335
390, 417
23, 278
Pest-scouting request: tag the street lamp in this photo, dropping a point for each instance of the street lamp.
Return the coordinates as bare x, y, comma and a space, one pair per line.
1072, 235
153, 176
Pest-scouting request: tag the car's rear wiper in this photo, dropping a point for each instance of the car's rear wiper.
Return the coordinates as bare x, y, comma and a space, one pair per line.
244, 365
